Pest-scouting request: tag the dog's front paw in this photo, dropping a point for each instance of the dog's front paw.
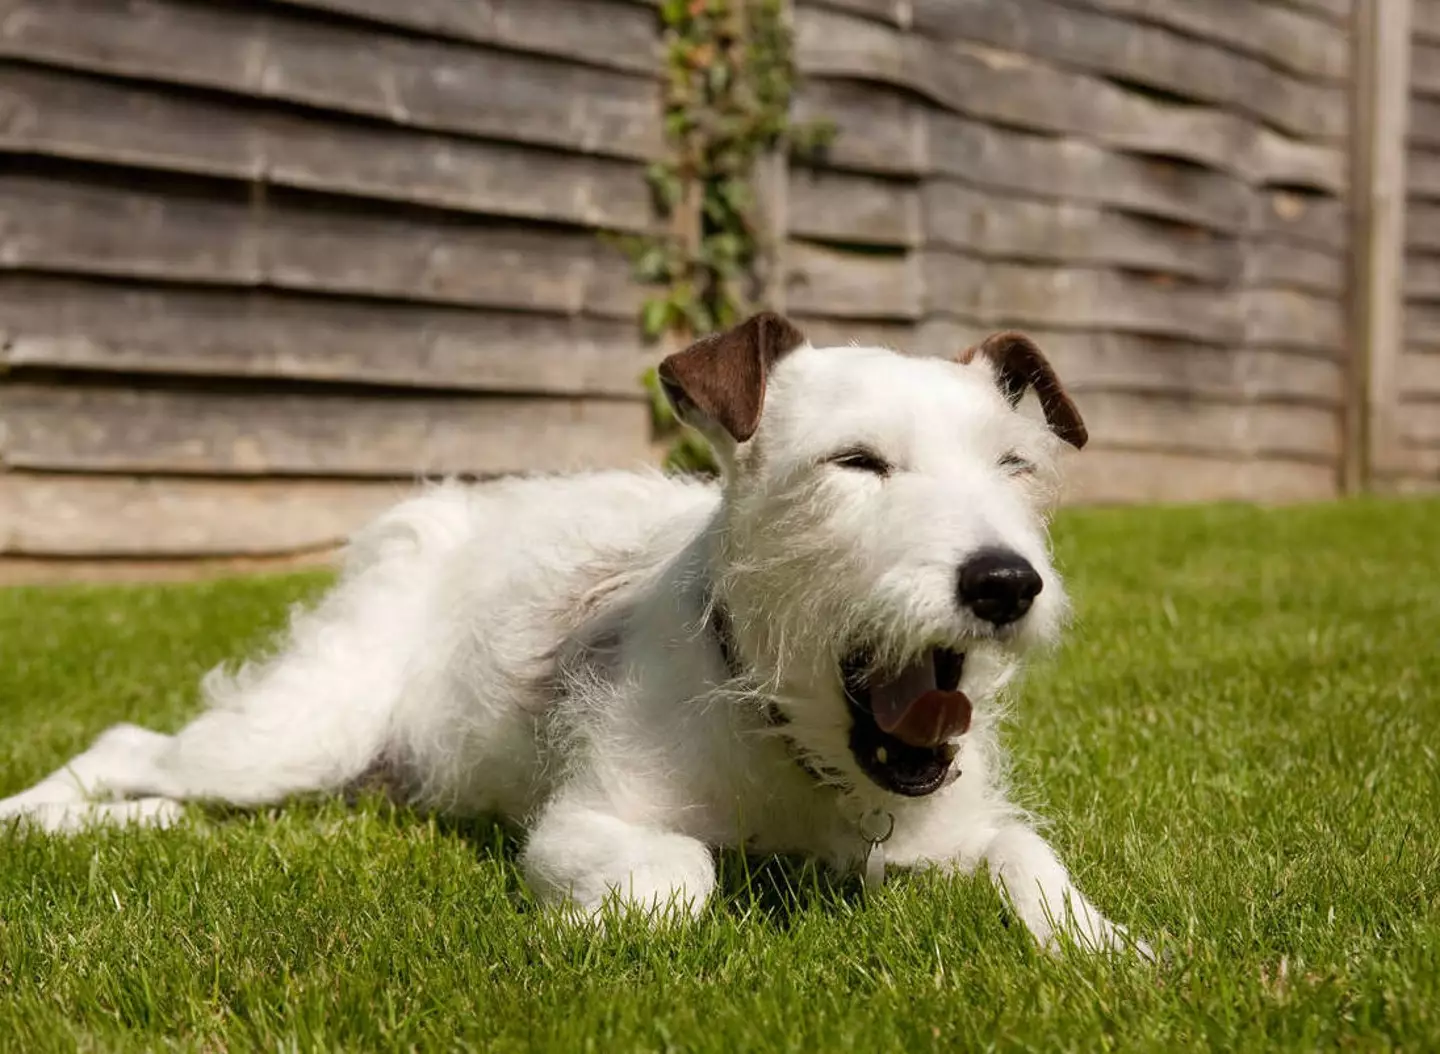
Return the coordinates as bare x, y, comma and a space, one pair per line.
1088, 930
1039, 890
590, 864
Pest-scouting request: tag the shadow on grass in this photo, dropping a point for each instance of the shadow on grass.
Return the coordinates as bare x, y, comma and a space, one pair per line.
780, 889
775, 889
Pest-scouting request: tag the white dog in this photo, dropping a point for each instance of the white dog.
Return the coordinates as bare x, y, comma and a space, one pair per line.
638, 669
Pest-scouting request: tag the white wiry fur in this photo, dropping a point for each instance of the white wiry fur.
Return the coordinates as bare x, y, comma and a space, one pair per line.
541, 649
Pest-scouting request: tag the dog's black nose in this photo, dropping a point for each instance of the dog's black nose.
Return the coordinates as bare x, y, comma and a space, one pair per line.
999, 585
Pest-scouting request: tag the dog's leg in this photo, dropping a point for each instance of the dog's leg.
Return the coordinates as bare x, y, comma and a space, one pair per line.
1028, 874
74, 796
302, 723
584, 857
313, 718
71, 818
1039, 888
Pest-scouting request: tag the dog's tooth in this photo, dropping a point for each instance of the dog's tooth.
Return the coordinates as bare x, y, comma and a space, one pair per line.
882, 755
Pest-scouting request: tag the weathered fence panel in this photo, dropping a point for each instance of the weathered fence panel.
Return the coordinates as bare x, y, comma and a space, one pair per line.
263, 263
256, 259
1157, 191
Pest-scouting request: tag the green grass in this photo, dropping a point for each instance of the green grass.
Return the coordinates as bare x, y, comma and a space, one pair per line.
1238, 748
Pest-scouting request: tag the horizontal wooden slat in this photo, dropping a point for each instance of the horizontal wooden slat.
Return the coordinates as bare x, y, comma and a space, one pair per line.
856, 209
1145, 54
1277, 264
1422, 276
621, 35
1282, 36
1117, 362
834, 284
1423, 129
1419, 377
116, 517
845, 207
1410, 468
887, 132
880, 129
1417, 469
1422, 226
1405, 485
1121, 363
892, 12
1069, 169
1425, 67
62, 115
1422, 174
1338, 11
1126, 477
1014, 294
1419, 424
1137, 363
1017, 91
102, 230
268, 52
21, 570
821, 281
959, 217
69, 324
840, 332
95, 429
1185, 425
1309, 219
1426, 20
1422, 325
1288, 318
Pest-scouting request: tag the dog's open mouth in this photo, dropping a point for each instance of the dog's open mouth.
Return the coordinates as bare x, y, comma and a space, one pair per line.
904, 722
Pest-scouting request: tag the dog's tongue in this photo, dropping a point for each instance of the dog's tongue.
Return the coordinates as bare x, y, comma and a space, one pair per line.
910, 707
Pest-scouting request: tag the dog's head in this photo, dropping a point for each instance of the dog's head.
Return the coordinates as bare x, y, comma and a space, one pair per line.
884, 557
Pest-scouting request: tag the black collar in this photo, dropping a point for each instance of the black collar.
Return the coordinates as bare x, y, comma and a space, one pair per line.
724, 632
723, 629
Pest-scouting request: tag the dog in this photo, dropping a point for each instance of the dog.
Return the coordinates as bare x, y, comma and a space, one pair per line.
806, 657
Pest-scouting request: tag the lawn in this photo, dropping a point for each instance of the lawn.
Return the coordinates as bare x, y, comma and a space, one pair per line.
1238, 749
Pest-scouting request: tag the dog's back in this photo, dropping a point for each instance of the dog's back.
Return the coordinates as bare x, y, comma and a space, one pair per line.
515, 575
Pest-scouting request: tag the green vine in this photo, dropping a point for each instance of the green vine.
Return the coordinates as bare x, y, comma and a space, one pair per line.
729, 78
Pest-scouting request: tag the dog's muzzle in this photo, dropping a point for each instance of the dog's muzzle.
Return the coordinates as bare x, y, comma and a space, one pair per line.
904, 723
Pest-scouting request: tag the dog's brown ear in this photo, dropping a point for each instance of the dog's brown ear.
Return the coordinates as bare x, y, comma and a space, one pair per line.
721, 378
1020, 365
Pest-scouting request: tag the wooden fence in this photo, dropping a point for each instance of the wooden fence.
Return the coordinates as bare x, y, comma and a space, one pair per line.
261, 263
257, 256
1409, 404
1155, 190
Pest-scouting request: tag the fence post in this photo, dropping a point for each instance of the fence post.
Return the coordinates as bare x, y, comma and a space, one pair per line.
1379, 119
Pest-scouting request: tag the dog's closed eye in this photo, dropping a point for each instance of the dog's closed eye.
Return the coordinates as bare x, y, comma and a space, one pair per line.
1016, 465
861, 459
